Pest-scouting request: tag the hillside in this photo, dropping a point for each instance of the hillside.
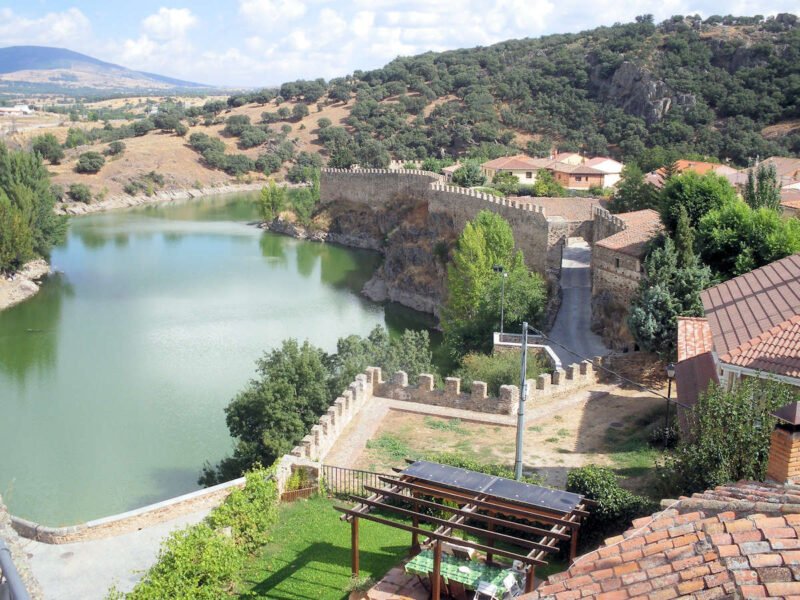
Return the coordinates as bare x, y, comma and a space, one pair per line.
50, 69
725, 88
682, 86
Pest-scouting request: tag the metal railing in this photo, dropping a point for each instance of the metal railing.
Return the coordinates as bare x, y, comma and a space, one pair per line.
340, 481
11, 586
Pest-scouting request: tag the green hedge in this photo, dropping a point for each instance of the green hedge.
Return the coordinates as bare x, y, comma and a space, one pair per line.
616, 508
203, 561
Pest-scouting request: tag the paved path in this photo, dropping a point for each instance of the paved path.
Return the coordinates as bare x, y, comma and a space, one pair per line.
85, 570
573, 323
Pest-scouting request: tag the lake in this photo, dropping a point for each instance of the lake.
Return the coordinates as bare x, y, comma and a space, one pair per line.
113, 378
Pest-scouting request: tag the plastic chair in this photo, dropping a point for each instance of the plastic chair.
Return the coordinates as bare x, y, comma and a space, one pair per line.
485, 591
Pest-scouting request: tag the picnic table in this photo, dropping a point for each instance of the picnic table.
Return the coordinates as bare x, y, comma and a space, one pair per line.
422, 564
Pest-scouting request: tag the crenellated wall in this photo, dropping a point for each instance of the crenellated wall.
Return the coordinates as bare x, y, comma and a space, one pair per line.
538, 236
605, 224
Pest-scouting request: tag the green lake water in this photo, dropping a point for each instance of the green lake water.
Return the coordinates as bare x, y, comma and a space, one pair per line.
113, 378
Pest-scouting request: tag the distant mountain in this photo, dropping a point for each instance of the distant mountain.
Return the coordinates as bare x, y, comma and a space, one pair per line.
58, 69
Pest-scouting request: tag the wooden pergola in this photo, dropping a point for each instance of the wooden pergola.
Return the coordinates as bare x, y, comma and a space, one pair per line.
523, 511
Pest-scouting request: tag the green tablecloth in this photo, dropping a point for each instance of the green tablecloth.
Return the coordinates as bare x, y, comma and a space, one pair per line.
422, 564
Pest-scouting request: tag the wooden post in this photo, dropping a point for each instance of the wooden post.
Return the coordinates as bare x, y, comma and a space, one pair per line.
573, 545
490, 541
415, 523
436, 581
530, 580
354, 545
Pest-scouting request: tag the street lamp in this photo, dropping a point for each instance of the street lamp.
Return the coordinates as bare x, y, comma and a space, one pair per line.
500, 269
670, 377
523, 393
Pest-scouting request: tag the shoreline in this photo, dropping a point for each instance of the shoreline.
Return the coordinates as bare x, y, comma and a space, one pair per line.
23, 284
75, 209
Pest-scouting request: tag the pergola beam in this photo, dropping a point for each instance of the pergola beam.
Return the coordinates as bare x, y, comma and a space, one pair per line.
527, 559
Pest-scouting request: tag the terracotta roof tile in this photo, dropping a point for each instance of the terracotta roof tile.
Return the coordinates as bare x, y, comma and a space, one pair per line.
694, 337
745, 308
641, 227
775, 351
518, 162
707, 563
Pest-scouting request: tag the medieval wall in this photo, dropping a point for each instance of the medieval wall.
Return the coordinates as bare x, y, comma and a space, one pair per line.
604, 224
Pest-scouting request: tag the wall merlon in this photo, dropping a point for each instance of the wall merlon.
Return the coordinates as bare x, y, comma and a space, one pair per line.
426, 382
478, 392
452, 385
400, 378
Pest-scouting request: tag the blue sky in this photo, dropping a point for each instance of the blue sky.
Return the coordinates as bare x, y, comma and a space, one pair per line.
264, 42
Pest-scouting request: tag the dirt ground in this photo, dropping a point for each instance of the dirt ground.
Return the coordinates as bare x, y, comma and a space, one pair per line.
607, 429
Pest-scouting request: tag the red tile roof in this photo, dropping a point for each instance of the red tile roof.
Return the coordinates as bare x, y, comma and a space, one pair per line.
518, 162
562, 167
694, 337
641, 227
742, 310
737, 541
774, 351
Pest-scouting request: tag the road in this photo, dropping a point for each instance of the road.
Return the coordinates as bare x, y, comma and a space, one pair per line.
572, 327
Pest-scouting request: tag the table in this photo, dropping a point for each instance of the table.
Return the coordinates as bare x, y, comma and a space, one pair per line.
422, 564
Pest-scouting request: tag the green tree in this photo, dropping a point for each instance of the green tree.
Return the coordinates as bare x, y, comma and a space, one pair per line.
90, 162
762, 187
272, 200
29, 225
76, 137
633, 192
698, 194
79, 192
684, 240
506, 182
469, 175
728, 436
668, 290
472, 309
300, 111
324, 122
546, 186
48, 147
115, 148
736, 238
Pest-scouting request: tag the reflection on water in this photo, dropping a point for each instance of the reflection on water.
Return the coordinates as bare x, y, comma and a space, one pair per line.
113, 379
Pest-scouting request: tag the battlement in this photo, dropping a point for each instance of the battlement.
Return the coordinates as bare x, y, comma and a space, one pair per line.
415, 172
605, 224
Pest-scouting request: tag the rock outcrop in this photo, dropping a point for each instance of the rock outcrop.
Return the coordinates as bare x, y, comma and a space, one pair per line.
22, 284
638, 92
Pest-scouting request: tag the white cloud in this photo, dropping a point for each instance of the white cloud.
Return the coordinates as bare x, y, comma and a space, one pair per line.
169, 23
266, 13
70, 27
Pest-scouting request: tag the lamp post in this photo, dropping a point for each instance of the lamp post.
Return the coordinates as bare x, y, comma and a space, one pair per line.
523, 393
670, 377
500, 269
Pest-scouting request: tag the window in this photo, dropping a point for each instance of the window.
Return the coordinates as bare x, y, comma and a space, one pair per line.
578, 178
616, 262
528, 175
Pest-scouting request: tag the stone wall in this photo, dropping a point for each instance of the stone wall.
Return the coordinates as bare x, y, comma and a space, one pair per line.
604, 224
538, 236
11, 538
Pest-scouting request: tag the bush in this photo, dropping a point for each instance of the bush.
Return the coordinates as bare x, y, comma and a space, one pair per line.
252, 137
76, 137
616, 506
498, 369
268, 163
90, 162
114, 149
238, 164
48, 147
79, 192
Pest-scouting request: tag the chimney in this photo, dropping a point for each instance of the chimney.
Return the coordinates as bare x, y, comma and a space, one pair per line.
784, 446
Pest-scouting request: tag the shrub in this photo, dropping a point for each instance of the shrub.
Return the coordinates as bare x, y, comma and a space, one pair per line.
78, 192
498, 369
90, 162
76, 137
616, 506
250, 512
252, 137
48, 147
114, 149
238, 164
268, 163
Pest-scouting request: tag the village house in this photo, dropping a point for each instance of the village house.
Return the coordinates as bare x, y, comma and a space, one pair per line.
620, 243
751, 329
569, 169
656, 177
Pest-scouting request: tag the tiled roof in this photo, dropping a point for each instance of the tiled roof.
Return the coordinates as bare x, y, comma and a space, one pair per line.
572, 209
641, 226
774, 351
575, 169
693, 376
745, 307
605, 164
784, 165
694, 337
518, 162
790, 198
737, 541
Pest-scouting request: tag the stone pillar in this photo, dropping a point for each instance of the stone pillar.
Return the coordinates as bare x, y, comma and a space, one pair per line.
571, 371
508, 403
452, 386
478, 394
400, 378
543, 383
426, 382
559, 376
587, 370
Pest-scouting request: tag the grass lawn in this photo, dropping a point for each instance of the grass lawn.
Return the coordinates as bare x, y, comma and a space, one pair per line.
309, 556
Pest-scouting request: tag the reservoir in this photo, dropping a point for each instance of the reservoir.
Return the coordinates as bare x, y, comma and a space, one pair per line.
113, 379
